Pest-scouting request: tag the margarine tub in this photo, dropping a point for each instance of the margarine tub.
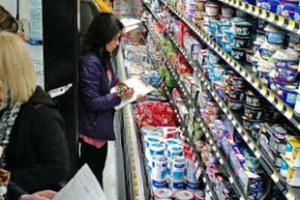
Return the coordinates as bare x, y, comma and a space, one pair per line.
286, 58
292, 151
274, 35
292, 174
267, 50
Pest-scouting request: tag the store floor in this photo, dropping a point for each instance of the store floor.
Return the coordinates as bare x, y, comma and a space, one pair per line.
110, 173
114, 182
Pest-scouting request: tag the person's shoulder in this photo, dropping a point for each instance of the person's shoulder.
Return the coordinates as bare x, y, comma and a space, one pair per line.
42, 105
90, 57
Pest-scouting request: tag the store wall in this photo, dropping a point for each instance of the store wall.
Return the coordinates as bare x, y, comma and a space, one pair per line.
61, 52
10, 5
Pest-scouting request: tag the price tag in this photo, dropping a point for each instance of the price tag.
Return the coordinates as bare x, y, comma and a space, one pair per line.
281, 20
234, 122
243, 5
264, 13
275, 177
198, 174
257, 154
290, 195
255, 84
214, 148
221, 161
272, 17
291, 25
280, 105
256, 10
271, 97
289, 113
264, 90
242, 71
239, 129
251, 146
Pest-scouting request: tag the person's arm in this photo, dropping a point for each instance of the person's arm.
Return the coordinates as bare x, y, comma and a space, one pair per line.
50, 148
89, 83
40, 195
14, 191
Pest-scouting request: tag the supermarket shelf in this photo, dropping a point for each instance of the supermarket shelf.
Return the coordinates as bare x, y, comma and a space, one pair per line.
150, 10
218, 154
260, 154
181, 121
277, 20
135, 163
268, 94
200, 171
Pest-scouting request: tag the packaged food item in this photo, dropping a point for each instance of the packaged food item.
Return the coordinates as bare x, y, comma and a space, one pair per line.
159, 169
184, 195
292, 174
292, 151
163, 194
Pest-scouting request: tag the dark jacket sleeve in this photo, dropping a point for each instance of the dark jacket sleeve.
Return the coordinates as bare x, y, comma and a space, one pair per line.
89, 83
14, 192
50, 147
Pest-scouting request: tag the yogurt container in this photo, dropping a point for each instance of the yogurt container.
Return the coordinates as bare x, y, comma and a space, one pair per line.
241, 28
178, 167
159, 169
212, 9
163, 194
288, 58
157, 149
274, 35
175, 150
226, 11
184, 195
267, 50
253, 99
288, 94
253, 113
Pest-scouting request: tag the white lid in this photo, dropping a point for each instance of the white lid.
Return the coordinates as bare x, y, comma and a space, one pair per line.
157, 147
184, 195
272, 47
260, 40
265, 66
286, 54
175, 148
163, 193
171, 141
271, 28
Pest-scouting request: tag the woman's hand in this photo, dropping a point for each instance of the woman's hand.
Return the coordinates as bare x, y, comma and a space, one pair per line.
41, 195
127, 93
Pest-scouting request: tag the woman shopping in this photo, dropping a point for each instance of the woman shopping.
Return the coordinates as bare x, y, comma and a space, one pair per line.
96, 102
31, 129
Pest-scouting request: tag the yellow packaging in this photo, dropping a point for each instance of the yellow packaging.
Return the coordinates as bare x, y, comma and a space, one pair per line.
292, 151
293, 175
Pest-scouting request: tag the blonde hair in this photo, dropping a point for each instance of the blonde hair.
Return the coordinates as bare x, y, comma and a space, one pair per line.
16, 69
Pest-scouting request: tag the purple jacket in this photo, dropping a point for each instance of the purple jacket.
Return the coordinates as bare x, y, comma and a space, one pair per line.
96, 104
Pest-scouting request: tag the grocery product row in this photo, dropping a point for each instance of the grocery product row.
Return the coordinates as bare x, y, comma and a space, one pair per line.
167, 160
267, 135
